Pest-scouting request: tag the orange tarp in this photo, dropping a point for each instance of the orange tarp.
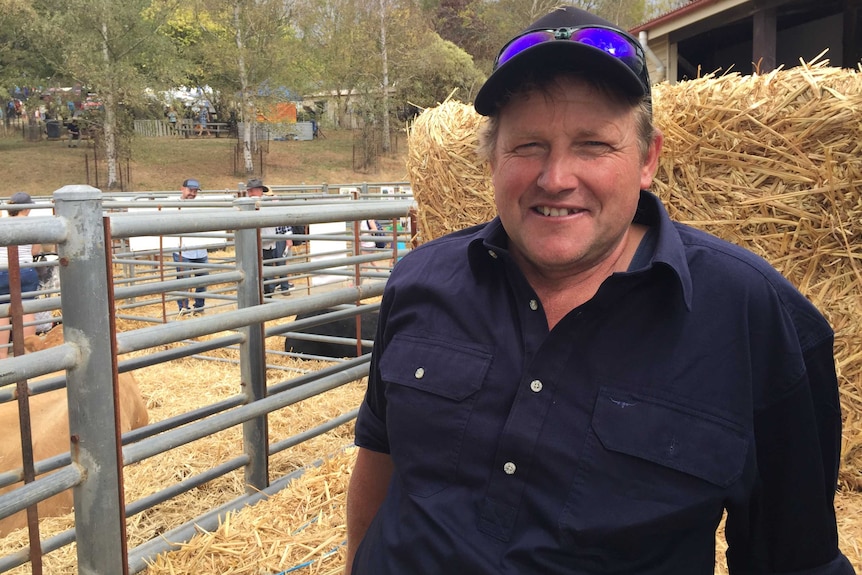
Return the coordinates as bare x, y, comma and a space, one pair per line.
281, 112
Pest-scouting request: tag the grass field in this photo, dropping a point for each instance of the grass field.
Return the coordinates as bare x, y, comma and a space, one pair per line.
39, 168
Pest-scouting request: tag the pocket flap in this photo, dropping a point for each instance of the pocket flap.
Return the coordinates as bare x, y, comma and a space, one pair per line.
444, 368
671, 435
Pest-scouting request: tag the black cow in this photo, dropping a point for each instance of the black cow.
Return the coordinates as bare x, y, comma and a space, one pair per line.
344, 328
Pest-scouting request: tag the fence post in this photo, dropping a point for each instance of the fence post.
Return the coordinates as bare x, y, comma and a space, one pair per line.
252, 353
99, 513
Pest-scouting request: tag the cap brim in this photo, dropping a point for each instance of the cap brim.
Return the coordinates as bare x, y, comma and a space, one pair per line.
568, 56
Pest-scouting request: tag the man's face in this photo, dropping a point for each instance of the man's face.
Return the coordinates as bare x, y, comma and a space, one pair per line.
189, 193
567, 176
255, 192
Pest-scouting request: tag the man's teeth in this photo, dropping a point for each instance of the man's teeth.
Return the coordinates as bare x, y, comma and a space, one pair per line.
554, 212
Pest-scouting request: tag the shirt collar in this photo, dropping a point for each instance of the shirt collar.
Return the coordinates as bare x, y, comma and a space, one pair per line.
491, 242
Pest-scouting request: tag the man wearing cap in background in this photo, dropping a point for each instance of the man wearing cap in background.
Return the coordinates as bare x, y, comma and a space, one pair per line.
193, 256
593, 385
255, 188
29, 276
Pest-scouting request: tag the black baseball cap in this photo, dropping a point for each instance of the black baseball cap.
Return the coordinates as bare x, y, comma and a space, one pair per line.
192, 184
572, 39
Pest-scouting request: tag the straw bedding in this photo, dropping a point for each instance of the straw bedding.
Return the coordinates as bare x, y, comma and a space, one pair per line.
280, 529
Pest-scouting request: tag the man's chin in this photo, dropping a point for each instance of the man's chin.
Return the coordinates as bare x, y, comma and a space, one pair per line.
553, 259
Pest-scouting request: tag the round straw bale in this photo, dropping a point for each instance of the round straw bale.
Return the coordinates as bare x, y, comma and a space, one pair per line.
450, 183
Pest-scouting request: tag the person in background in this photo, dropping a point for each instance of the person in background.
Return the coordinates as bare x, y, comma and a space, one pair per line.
370, 227
203, 115
74, 133
192, 256
283, 247
172, 120
255, 188
582, 385
29, 276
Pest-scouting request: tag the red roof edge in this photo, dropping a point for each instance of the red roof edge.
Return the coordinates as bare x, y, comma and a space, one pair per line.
673, 15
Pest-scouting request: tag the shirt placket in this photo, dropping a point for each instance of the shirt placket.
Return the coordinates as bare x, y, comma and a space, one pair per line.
518, 441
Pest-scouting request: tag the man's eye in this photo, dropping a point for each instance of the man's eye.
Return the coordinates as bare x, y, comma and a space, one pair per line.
595, 147
527, 146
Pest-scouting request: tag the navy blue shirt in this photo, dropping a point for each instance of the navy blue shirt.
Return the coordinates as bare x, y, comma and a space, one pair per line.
698, 381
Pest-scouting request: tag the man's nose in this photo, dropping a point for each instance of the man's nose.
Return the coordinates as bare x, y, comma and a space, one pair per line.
559, 172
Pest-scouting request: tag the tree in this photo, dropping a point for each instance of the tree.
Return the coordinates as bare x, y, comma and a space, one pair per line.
244, 47
481, 27
655, 8
384, 68
436, 70
20, 64
113, 48
340, 48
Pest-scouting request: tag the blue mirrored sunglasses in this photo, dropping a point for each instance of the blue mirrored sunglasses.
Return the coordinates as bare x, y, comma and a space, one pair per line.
614, 42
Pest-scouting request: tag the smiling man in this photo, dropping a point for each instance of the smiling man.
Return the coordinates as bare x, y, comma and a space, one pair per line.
583, 386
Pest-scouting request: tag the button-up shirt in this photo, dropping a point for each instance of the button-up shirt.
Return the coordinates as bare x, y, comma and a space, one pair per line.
696, 382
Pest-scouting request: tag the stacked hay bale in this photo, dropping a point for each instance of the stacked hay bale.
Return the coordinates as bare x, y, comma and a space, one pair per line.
771, 162
450, 183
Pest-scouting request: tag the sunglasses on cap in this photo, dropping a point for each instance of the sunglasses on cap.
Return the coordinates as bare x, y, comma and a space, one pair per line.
610, 41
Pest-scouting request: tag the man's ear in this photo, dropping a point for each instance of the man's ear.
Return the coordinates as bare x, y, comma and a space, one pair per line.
650, 164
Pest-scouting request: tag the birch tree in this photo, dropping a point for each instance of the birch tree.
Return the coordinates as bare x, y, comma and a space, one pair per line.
340, 48
245, 46
384, 56
113, 48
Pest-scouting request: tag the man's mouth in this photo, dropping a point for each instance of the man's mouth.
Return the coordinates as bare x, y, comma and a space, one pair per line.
555, 212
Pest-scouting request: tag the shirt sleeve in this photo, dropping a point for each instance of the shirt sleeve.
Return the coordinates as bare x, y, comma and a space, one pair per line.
788, 524
371, 430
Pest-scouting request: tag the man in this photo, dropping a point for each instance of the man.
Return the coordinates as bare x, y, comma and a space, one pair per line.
592, 385
74, 133
203, 115
268, 245
282, 247
189, 191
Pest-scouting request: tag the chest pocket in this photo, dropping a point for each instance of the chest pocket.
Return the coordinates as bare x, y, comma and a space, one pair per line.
431, 387
650, 467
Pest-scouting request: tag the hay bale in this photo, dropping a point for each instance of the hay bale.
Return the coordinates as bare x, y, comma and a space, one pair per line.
450, 183
770, 162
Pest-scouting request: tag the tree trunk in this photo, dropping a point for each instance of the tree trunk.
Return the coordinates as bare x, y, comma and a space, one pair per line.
385, 111
110, 119
246, 112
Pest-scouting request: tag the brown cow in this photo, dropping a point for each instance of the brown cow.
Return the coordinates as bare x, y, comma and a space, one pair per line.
49, 417
52, 338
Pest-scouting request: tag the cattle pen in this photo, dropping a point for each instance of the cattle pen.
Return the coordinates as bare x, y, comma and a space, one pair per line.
115, 269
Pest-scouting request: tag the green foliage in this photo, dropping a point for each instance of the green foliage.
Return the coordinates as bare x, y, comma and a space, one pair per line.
20, 61
245, 48
482, 27
110, 46
436, 69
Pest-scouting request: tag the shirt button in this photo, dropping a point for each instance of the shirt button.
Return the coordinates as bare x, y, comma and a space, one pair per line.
509, 468
536, 385
492, 253
534, 305
419, 373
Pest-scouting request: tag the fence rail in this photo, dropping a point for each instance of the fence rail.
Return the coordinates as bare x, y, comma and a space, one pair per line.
94, 468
